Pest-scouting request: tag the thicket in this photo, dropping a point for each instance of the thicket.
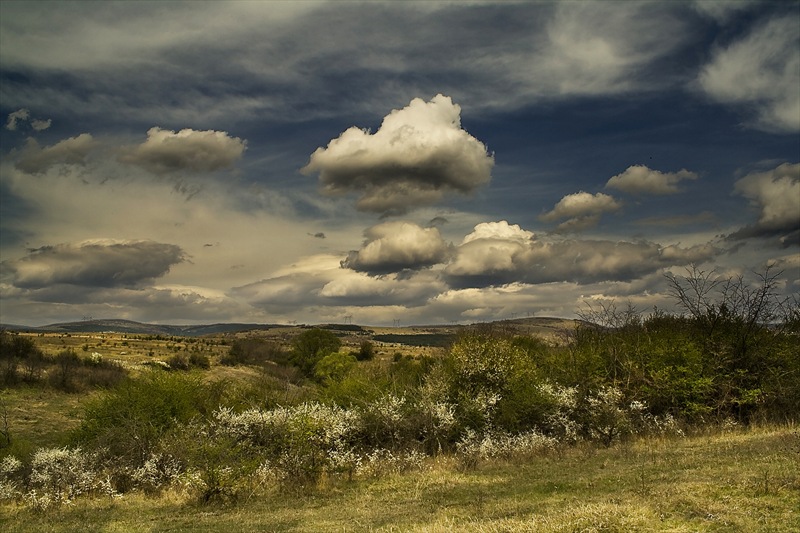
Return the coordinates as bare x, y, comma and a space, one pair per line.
731, 358
21, 361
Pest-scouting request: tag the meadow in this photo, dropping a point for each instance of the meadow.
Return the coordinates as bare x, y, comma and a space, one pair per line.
728, 479
620, 422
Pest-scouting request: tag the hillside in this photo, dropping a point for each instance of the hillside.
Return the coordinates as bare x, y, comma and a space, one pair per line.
551, 329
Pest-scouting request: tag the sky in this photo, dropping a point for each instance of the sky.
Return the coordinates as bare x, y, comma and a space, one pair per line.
386, 163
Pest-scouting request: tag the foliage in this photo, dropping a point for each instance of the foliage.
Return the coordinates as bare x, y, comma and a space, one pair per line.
254, 351
309, 347
22, 362
491, 396
128, 422
366, 351
333, 367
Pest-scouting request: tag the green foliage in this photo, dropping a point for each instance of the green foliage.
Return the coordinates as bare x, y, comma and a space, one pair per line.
254, 351
20, 359
366, 351
309, 347
333, 367
129, 420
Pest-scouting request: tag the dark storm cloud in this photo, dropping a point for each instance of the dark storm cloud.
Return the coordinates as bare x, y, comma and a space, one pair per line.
93, 263
497, 253
419, 153
396, 246
34, 159
165, 151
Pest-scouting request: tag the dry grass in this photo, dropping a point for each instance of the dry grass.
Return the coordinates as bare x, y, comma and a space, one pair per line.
740, 480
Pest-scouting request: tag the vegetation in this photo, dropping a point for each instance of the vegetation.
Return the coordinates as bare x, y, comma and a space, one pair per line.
619, 401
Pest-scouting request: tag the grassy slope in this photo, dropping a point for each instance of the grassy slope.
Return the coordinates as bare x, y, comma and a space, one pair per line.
729, 481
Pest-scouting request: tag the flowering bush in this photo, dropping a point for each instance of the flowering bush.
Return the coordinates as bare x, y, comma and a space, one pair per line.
474, 447
10, 474
60, 474
157, 472
381, 462
299, 441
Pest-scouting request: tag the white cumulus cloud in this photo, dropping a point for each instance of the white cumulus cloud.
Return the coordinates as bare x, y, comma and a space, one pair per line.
166, 151
639, 179
15, 117
395, 246
581, 210
419, 153
515, 255
34, 159
776, 194
100, 263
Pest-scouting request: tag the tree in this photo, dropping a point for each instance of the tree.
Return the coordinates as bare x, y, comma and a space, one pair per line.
311, 346
744, 328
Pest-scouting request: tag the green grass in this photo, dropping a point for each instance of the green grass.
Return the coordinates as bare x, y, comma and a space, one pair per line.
740, 480
39, 417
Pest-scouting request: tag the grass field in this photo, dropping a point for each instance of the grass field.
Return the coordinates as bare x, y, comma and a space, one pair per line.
726, 480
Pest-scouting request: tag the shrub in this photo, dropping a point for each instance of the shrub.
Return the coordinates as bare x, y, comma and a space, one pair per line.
475, 447
297, 441
67, 364
129, 420
311, 346
11, 470
58, 475
333, 367
199, 360
366, 351
179, 361
254, 351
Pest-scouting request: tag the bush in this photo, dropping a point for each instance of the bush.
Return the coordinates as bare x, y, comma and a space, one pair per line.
58, 475
298, 442
309, 347
20, 359
254, 351
129, 420
333, 367
366, 351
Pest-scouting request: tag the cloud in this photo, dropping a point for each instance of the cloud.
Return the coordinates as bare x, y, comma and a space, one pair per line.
497, 253
318, 282
581, 210
761, 72
721, 11
418, 153
101, 263
589, 48
40, 125
705, 218
16, 116
638, 179
776, 194
395, 246
22, 115
165, 151
34, 159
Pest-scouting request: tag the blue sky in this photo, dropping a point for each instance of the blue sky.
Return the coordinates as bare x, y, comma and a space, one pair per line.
420, 162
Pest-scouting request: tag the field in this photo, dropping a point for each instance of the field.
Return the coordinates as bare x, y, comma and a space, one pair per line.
726, 480
486, 431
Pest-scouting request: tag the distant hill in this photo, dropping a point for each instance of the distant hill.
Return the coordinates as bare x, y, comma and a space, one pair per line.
431, 335
138, 328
